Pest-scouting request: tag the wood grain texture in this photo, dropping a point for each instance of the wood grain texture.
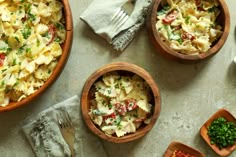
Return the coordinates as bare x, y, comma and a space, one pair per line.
162, 48
66, 47
180, 146
120, 67
204, 129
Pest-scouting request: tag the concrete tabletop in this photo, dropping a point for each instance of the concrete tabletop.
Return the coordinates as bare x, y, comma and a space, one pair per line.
190, 93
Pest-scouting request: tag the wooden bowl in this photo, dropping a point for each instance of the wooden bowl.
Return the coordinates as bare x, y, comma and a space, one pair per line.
180, 146
204, 129
121, 68
66, 47
163, 49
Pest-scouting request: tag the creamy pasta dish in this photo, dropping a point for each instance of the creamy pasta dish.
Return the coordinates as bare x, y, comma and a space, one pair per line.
31, 34
121, 104
189, 26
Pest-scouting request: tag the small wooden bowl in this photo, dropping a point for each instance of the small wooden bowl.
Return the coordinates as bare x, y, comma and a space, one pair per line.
121, 68
180, 146
223, 20
66, 47
204, 129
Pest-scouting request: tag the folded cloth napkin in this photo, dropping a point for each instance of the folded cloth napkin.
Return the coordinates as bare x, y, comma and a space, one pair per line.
46, 140
100, 12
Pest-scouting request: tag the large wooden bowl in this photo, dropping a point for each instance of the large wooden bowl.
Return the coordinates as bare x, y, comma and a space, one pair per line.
162, 48
204, 129
66, 47
120, 67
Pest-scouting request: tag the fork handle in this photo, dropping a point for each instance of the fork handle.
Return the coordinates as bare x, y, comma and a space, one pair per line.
70, 141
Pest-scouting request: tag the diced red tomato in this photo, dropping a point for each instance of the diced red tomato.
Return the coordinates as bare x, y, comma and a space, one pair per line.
179, 153
170, 17
52, 31
131, 104
112, 115
121, 108
187, 35
200, 9
2, 58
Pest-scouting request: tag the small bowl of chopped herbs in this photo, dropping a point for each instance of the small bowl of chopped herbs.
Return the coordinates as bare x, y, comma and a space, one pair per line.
219, 132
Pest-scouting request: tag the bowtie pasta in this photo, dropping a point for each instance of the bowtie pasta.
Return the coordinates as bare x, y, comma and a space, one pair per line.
31, 34
121, 104
189, 26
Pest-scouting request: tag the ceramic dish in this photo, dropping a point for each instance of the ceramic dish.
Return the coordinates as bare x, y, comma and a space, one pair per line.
204, 129
121, 68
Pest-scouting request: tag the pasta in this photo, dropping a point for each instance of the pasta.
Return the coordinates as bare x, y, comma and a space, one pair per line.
121, 104
189, 26
31, 34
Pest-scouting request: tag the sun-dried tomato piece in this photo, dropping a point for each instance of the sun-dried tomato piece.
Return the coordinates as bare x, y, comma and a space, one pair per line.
121, 108
170, 17
131, 104
187, 35
2, 58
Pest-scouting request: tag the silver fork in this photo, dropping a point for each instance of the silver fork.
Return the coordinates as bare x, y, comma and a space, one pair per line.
67, 129
122, 14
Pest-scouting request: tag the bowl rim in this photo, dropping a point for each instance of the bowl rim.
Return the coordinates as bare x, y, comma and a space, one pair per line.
203, 131
59, 67
120, 66
181, 146
168, 52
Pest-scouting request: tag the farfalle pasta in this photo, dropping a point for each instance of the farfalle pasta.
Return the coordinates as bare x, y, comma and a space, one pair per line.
121, 104
31, 34
189, 26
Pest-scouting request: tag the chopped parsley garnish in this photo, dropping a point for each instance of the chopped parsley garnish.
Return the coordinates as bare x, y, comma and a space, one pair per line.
222, 132
187, 18
26, 32
59, 26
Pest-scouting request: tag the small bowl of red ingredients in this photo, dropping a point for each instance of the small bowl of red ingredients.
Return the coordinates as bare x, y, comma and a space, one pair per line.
120, 102
177, 149
219, 132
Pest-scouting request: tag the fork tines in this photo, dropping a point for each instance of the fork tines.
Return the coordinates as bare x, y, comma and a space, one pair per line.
64, 119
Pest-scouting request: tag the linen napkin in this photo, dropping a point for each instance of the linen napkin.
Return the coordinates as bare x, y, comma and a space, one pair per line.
46, 140
100, 12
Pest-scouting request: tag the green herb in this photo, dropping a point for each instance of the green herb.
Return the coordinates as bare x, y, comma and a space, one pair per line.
211, 10
222, 132
2, 83
180, 41
21, 49
57, 39
110, 106
14, 62
187, 18
28, 50
26, 32
38, 42
59, 26
17, 39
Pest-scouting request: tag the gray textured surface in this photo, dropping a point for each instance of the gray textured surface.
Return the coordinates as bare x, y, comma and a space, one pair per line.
190, 93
